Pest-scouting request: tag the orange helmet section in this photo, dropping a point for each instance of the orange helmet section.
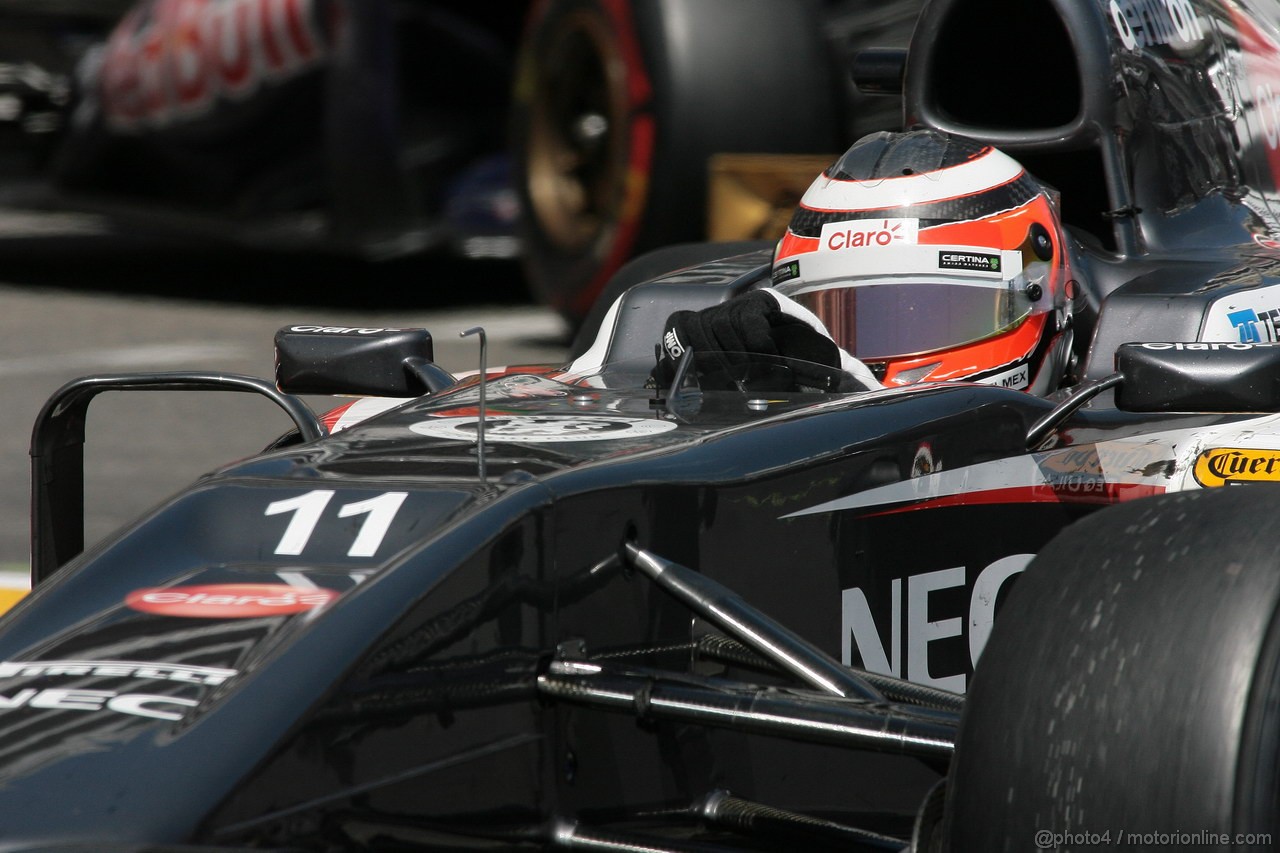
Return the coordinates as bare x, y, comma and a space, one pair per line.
933, 257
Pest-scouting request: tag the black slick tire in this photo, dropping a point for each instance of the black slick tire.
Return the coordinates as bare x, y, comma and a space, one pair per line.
1129, 696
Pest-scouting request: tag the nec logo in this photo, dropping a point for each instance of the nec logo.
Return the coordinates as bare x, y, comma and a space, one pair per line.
863, 642
867, 233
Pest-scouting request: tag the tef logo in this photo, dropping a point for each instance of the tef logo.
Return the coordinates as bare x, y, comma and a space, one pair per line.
228, 600
867, 233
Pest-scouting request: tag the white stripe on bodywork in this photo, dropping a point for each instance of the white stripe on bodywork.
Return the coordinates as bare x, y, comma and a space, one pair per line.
365, 408
1162, 459
1012, 472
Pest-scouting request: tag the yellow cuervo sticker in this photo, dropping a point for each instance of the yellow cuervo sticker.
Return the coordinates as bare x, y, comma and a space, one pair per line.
1222, 466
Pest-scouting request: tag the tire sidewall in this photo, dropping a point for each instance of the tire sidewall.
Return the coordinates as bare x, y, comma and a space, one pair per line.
558, 276
1130, 683
702, 77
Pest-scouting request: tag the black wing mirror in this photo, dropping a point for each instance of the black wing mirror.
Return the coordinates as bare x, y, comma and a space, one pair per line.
358, 361
1198, 377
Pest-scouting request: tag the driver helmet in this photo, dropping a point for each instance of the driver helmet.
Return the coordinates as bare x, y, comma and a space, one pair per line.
931, 257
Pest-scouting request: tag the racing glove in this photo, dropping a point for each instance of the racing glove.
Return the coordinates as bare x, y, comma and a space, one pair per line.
733, 343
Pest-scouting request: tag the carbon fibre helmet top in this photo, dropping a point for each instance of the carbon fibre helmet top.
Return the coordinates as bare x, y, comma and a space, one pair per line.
933, 257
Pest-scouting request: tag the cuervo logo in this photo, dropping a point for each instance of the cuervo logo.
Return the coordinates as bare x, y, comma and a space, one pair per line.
1222, 466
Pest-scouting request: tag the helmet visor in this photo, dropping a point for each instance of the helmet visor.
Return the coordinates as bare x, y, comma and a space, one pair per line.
893, 317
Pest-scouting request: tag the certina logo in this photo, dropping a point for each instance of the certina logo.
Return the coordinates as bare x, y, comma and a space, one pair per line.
1223, 466
1146, 23
867, 233
340, 330
978, 261
228, 600
786, 272
859, 632
180, 672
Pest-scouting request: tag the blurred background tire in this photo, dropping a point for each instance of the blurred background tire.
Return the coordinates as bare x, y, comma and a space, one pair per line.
620, 105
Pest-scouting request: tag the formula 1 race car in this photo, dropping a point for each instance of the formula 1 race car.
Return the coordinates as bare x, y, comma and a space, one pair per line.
572, 607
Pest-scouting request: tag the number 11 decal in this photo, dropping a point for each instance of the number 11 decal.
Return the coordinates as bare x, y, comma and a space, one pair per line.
308, 508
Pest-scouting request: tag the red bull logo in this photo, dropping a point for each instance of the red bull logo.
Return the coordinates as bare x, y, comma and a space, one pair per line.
177, 58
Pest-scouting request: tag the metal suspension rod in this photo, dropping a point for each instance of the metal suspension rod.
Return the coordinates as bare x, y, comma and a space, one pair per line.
730, 613
848, 723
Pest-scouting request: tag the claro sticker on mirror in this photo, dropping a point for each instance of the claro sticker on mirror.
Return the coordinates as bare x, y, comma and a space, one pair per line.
1224, 466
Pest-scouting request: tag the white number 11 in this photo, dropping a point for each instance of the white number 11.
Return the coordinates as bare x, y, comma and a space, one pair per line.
309, 507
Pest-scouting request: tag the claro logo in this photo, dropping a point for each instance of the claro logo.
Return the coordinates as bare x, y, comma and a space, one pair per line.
867, 233
341, 330
1201, 346
1223, 466
228, 600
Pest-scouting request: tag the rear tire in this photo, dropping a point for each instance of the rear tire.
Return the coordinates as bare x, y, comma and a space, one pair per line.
619, 106
1132, 685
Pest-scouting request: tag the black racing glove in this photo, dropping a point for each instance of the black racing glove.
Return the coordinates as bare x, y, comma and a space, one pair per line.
733, 341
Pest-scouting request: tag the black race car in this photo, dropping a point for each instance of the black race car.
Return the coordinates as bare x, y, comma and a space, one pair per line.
570, 608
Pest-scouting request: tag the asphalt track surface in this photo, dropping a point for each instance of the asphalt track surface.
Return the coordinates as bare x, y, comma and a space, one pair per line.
66, 312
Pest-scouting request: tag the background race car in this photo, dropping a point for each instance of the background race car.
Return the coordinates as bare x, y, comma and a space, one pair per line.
574, 133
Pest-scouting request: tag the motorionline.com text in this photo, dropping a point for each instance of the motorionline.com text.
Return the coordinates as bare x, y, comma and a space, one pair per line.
1048, 840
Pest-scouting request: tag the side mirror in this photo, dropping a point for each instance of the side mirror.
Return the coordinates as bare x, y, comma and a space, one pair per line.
357, 361
1198, 377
